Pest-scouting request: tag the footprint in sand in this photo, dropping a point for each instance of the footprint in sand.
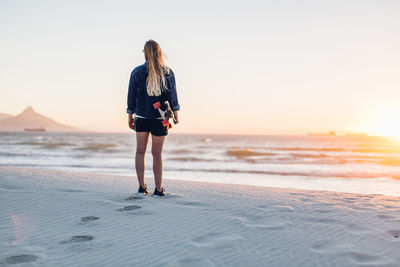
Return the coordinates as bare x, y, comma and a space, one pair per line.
131, 207
19, 259
89, 218
78, 239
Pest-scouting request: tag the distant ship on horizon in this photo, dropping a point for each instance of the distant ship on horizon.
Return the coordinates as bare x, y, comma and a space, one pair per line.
41, 129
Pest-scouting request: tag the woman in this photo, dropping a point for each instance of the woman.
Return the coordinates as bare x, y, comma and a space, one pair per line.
149, 83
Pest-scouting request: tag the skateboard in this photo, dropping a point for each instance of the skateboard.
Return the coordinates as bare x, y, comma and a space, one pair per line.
165, 114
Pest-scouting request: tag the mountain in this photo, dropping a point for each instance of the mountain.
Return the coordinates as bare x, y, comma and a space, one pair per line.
29, 118
4, 116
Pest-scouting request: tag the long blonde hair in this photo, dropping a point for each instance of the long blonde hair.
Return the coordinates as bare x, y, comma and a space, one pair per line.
155, 80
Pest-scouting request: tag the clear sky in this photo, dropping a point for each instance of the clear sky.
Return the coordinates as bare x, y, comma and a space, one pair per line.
254, 67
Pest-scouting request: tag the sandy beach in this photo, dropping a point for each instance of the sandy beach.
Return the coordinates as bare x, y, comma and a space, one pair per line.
273, 127
59, 218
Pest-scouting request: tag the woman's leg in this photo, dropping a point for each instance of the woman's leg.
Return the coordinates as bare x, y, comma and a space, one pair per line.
156, 150
142, 138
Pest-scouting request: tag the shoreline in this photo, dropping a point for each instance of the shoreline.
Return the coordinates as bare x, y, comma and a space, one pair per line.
291, 182
131, 180
60, 218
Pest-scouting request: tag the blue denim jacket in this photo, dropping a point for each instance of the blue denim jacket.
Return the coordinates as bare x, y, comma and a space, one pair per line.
140, 103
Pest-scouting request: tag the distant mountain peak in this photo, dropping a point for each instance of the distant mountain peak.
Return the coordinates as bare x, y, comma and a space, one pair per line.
28, 110
29, 118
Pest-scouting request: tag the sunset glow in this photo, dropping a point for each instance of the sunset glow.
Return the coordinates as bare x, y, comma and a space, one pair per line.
266, 68
386, 122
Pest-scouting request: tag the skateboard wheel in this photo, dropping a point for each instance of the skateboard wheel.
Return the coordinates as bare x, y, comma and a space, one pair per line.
165, 122
157, 105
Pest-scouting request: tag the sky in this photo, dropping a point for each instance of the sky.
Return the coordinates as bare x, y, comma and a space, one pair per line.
242, 67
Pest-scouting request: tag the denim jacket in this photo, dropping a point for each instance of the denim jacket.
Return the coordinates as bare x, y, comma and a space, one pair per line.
140, 103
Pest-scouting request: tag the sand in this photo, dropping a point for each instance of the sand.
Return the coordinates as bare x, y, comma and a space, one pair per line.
58, 218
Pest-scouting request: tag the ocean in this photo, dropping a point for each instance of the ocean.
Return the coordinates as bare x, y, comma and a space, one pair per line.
356, 164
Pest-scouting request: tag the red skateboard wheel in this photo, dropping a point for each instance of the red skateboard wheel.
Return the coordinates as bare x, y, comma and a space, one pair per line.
165, 122
157, 105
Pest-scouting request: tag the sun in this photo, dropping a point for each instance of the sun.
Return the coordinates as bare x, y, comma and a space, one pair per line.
389, 126
386, 123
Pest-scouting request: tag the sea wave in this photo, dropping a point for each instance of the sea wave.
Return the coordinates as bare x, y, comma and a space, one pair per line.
61, 166
191, 159
14, 154
339, 149
326, 160
44, 144
377, 150
253, 157
317, 149
322, 174
97, 146
179, 151
303, 155
240, 153
390, 162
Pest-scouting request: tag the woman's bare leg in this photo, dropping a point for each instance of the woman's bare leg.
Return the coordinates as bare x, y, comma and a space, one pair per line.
142, 138
156, 150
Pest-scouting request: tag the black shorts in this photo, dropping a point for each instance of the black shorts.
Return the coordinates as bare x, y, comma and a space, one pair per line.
150, 125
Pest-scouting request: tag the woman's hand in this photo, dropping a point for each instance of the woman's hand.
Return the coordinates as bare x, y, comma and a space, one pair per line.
131, 121
176, 121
